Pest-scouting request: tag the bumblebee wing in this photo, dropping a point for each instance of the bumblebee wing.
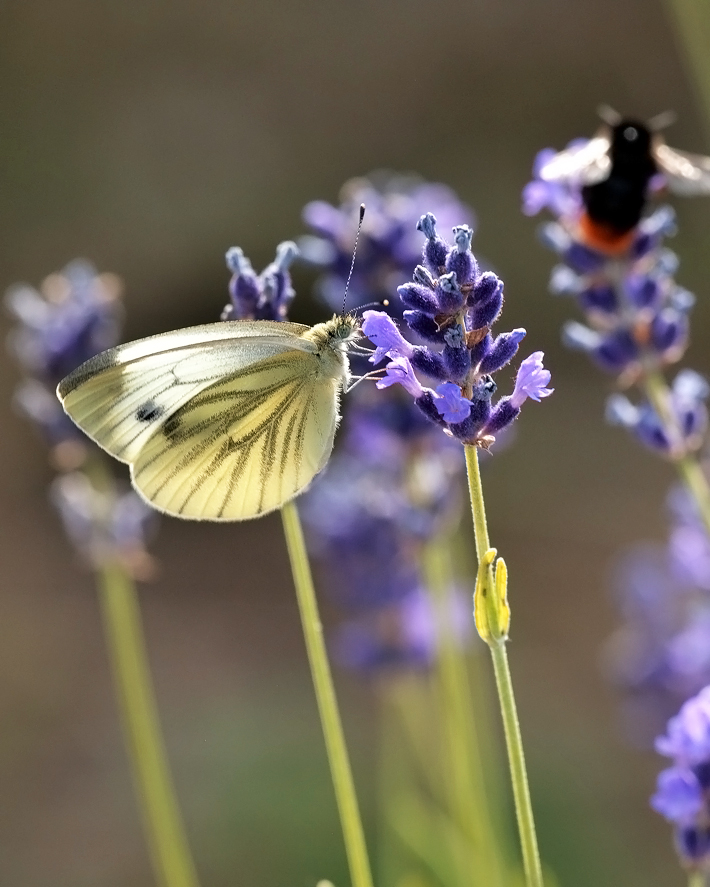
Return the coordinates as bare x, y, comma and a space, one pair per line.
586, 164
244, 445
687, 174
120, 397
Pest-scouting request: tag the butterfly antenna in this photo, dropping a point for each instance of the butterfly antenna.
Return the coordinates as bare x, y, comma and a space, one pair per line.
352, 263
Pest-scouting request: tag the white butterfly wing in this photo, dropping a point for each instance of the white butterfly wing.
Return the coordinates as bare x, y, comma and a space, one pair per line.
586, 165
244, 445
121, 396
687, 174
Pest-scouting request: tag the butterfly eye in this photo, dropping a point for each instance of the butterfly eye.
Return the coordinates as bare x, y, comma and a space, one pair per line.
631, 134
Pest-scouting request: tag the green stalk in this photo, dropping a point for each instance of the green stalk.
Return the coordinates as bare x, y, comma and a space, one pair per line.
164, 829
340, 771
469, 802
697, 879
688, 466
504, 685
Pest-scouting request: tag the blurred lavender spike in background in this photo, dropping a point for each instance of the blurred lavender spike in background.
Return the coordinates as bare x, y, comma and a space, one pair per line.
389, 247
681, 790
660, 653
388, 490
73, 315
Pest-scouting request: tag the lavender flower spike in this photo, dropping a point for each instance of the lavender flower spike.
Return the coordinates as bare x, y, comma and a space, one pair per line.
452, 307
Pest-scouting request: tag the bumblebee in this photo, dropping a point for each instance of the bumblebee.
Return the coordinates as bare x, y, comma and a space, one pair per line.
615, 170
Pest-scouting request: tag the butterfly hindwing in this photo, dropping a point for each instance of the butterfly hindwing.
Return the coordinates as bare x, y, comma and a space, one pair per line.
121, 396
245, 444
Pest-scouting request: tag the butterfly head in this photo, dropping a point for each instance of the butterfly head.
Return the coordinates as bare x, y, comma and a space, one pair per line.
341, 330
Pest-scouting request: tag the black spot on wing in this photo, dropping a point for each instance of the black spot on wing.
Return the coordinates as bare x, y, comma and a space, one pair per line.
149, 411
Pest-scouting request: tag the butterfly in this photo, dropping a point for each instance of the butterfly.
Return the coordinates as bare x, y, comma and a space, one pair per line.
615, 169
222, 422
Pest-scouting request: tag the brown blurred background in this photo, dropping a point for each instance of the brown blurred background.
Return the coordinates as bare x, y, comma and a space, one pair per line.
149, 137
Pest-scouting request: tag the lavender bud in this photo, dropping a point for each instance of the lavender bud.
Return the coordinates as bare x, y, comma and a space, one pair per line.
502, 415
435, 249
457, 360
427, 405
448, 293
669, 331
460, 260
503, 350
423, 325
419, 298
430, 363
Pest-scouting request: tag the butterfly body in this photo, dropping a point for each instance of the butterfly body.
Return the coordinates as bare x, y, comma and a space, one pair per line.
225, 421
615, 169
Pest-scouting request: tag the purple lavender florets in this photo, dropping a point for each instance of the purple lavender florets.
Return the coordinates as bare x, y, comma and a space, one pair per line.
265, 296
636, 314
452, 306
686, 403
105, 525
660, 654
388, 246
683, 790
74, 314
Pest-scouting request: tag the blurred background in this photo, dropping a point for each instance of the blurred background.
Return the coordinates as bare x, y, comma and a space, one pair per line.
149, 138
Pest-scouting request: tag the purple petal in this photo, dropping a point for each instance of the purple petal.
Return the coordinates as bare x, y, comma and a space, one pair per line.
531, 380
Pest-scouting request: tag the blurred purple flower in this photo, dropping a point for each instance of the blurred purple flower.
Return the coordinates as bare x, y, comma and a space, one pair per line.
388, 247
75, 314
683, 790
389, 489
661, 652
105, 525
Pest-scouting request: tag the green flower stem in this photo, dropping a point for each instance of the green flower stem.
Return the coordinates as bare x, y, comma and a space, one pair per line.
697, 879
165, 832
341, 773
688, 466
504, 685
467, 785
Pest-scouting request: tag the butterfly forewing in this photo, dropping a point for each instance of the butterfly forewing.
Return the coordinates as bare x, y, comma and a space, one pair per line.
122, 395
244, 445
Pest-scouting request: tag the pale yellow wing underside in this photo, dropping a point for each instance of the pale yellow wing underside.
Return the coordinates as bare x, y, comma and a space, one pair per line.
121, 396
244, 445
